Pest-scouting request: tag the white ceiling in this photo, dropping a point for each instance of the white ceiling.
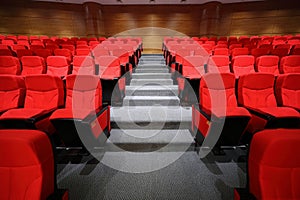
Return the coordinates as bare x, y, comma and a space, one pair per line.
145, 2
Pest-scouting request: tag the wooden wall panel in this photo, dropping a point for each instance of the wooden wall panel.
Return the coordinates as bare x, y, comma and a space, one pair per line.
267, 17
36, 18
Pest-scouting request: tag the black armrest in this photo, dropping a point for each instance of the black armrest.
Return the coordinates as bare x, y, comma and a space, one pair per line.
260, 114
180, 68
243, 194
60, 194
93, 115
40, 116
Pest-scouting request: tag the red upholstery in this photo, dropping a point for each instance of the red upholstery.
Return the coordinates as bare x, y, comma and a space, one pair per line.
70, 47
217, 90
256, 92
83, 65
193, 67
5, 52
83, 52
10, 65
24, 52
44, 53
267, 64
242, 65
64, 52
26, 165
221, 51
109, 67
274, 164
288, 90
257, 52
57, 66
12, 92
83, 101
239, 51
44, 93
280, 52
33, 65
290, 64
218, 63
218, 99
100, 51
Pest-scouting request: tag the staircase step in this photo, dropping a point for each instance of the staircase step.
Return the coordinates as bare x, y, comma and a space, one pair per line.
151, 66
134, 139
151, 101
151, 76
171, 90
141, 82
151, 70
151, 117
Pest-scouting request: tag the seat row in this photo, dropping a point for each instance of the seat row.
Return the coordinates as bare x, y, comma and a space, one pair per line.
193, 67
227, 109
46, 103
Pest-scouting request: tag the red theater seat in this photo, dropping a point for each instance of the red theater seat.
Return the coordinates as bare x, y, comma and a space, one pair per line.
84, 119
256, 93
44, 53
23, 52
33, 65
280, 52
273, 166
221, 51
239, 52
288, 90
10, 65
6, 52
267, 64
290, 64
26, 165
257, 52
242, 65
218, 64
218, 105
64, 52
109, 67
124, 58
58, 66
83, 65
83, 52
12, 92
44, 94
192, 67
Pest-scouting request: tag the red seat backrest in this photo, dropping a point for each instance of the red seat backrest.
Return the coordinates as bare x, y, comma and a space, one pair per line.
83, 92
12, 92
217, 91
26, 165
256, 90
43, 92
83, 65
290, 64
268, 64
243, 64
218, 63
10, 65
33, 65
288, 90
57, 66
274, 164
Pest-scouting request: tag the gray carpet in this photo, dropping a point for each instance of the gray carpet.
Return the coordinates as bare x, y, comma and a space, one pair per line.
213, 177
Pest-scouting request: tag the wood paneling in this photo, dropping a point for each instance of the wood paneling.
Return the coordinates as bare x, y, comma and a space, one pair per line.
267, 17
36, 18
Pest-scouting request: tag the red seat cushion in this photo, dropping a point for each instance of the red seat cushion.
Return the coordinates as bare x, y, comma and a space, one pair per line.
274, 164
26, 165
